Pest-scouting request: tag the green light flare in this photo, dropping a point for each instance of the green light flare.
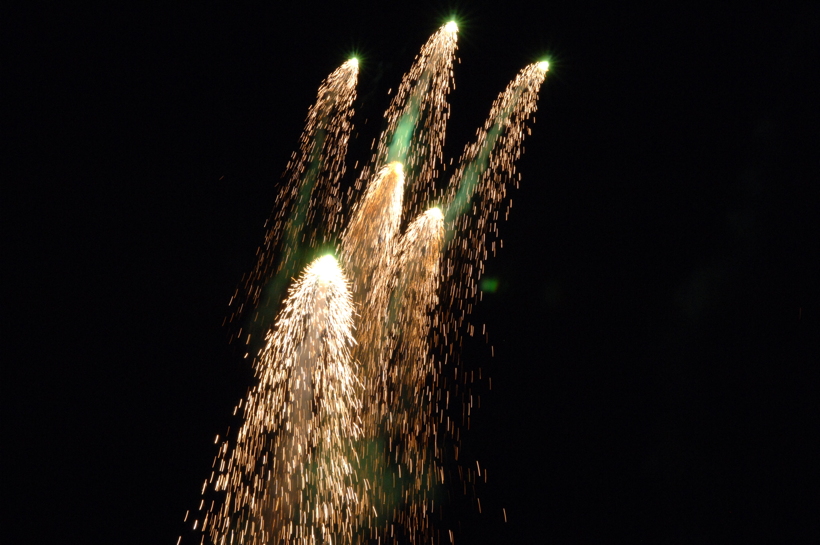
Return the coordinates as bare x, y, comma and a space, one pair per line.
296, 221
472, 174
489, 285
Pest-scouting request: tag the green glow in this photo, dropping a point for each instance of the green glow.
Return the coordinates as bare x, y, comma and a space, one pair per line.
476, 168
489, 285
472, 174
400, 142
299, 256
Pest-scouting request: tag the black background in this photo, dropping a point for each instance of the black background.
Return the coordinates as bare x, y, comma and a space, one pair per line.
656, 326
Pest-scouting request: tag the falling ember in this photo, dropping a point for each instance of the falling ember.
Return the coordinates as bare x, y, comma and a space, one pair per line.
347, 431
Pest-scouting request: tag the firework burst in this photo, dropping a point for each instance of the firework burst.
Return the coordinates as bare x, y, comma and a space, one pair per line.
345, 434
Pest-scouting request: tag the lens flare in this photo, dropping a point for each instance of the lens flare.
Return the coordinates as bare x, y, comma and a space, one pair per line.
353, 420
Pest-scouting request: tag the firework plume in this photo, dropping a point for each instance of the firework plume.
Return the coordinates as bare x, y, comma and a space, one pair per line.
346, 433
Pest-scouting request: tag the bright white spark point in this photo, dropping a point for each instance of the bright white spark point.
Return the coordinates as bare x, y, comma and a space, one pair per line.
436, 213
543, 66
326, 269
354, 61
451, 27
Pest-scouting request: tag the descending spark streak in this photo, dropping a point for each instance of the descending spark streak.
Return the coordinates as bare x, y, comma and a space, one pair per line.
475, 193
368, 247
367, 253
306, 210
410, 375
417, 118
487, 167
288, 477
413, 295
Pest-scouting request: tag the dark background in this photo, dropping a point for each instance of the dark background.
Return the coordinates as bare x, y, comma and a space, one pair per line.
655, 330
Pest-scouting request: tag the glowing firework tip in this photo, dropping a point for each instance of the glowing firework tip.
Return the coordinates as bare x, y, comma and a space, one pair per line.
350, 428
326, 269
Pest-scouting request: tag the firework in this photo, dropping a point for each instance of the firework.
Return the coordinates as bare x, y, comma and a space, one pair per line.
288, 478
344, 434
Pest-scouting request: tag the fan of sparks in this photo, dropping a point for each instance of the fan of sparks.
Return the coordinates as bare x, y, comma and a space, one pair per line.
345, 434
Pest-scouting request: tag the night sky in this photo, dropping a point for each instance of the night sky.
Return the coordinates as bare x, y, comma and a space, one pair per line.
657, 318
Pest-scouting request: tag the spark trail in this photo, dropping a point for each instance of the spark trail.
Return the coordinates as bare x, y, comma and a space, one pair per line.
306, 212
409, 377
479, 187
417, 119
347, 432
